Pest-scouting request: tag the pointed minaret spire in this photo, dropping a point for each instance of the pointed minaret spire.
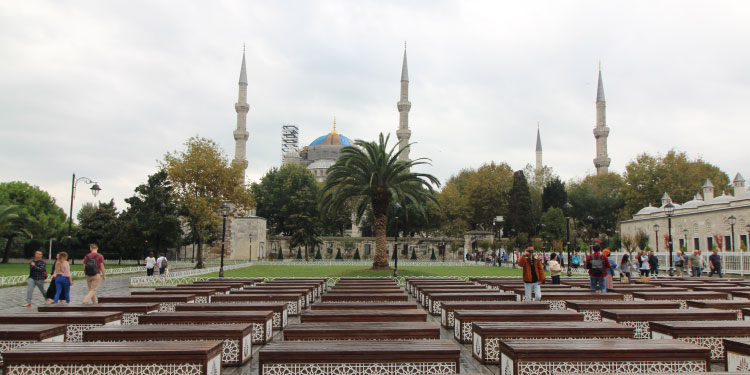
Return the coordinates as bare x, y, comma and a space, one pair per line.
240, 132
601, 131
404, 105
539, 163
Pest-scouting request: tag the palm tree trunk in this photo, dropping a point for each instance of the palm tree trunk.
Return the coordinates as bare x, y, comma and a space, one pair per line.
380, 261
8, 244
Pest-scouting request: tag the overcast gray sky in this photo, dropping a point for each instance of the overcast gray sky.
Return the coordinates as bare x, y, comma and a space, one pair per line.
105, 88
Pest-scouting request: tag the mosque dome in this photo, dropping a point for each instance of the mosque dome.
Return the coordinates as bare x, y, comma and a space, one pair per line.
332, 139
647, 210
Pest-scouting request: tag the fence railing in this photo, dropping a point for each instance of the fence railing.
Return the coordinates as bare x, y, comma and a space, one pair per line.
180, 277
732, 263
364, 263
20, 279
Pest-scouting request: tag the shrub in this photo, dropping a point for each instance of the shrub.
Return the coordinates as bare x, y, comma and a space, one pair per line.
281, 254
413, 254
299, 253
318, 256
338, 255
356, 255
433, 257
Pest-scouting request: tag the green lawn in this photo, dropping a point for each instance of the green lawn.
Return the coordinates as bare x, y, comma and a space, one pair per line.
23, 269
353, 271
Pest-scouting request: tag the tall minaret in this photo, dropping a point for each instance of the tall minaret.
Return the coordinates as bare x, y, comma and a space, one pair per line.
539, 163
404, 105
240, 133
601, 162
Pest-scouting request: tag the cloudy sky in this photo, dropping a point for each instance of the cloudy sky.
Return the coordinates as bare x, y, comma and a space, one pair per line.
105, 88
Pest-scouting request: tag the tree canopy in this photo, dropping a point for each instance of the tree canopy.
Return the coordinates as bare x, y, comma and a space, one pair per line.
519, 216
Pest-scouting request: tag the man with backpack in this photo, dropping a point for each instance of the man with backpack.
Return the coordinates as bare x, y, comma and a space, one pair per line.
161, 262
597, 264
93, 268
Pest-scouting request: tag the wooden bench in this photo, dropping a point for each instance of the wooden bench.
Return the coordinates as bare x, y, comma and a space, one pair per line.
321, 282
739, 295
317, 288
360, 297
158, 357
236, 338
680, 297
364, 305
737, 354
256, 280
487, 336
232, 286
696, 285
279, 309
130, 311
556, 300
336, 290
293, 304
423, 295
166, 302
401, 315
416, 288
601, 356
591, 309
639, 319
628, 291
76, 321
360, 357
363, 331
262, 321
217, 288
17, 335
306, 293
463, 319
301, 296
437, 298
447, 308
722, 289
709, 334
201, 295
511, 288
730, 305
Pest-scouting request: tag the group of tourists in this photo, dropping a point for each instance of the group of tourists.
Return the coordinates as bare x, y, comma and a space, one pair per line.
160, 263
62, 279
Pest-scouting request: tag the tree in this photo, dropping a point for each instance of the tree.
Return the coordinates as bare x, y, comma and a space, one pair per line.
152, 215
318, 256
599, 197
629, 243
281, 254
98, 224
413, 254
371, 175
11, 225
648, 177
433, 257
39, 216
554, 223
299, 253
338, 254
356, 254
203, 180
554, 194
519, 206
284, 192
615, 242
641, 238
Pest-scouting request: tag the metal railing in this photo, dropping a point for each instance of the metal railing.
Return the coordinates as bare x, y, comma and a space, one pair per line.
732, 263
364, 263
180, 277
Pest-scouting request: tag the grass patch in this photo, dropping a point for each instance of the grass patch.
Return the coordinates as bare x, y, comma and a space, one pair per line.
359, 271
23, 269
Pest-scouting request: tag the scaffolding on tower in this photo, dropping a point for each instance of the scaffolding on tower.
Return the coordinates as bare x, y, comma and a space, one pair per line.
289, 139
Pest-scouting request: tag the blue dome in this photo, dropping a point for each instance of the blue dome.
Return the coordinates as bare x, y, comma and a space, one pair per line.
333, 139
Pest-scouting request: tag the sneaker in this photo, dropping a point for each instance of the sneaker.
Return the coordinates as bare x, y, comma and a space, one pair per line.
26, 305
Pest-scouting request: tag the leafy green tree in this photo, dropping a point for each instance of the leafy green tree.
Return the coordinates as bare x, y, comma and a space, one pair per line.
599, 197
519, 206
318, 256
203, 179
433, 257
98, 224
615, 242
641, 238
39, 216
370, 175
356, 254
554, 194
648, 177
11, 226
413, 254
554, 224
284, 192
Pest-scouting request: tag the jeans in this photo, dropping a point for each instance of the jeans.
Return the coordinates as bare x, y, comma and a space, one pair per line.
30, 289
715, 270
161, 270
697, 271
598, 283
93, 284
62, 284
556, 279
535, 288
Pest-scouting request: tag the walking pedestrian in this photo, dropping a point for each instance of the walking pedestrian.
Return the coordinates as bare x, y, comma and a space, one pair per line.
37, 275
555, 269
679, 263
626, 268
63, 279
714, 261
161, 262
150, 264
52, 289
644, 266
93, 267
653, 262
610, 278
576, 261
597, 264
695, 262
533, 274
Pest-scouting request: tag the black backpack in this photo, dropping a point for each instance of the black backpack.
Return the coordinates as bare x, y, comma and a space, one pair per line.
89, 267
597, 266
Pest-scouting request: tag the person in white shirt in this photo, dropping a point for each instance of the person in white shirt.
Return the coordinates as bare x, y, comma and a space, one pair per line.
150, 264
161, 262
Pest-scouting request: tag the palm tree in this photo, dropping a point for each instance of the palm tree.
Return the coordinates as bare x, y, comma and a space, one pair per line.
370, 175
11, 226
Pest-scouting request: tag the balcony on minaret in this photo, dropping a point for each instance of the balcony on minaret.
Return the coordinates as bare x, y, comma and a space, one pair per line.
241, 135
403, 105
601, 132
241, 107
602, 162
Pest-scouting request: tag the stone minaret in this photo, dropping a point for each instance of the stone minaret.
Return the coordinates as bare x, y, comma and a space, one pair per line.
404, 105
601, 132
539, 163
240, 133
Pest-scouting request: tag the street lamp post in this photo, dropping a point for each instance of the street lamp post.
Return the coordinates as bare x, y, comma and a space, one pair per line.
732, 221
395, 244
566, 208
656, 238
224, 214
669, 210
250, 251
95, 189
442, 249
